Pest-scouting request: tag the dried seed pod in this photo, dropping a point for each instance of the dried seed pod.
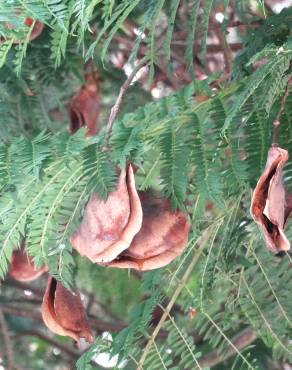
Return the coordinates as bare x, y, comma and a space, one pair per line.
37, 28
83, 108
108, 227
36, 31
22, 268
162, 237
63, 313
269, 206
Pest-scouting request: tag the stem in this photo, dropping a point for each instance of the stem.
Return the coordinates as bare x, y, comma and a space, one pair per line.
61, 346
24, 286
212, 48
116, 107
240, 341
70, 351
277, 122
97, 324
227, 52
177, 292
234, 24
7, 345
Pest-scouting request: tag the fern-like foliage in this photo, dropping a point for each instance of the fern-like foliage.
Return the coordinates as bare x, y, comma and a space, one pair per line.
203, 147
95, 23
61, 179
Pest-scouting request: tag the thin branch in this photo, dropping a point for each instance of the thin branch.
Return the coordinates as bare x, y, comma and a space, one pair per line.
16, 311
265, 320
123, 89
102, 310
202, 242
63, 347
227, 52
90, 303
7, 345
99, 325
71, 352
277, 122
23, 286
186, 343
234, 24
24, 300
212, 48
240, 341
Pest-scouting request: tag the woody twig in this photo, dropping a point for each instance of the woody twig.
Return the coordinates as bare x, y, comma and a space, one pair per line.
123, 90
276, 122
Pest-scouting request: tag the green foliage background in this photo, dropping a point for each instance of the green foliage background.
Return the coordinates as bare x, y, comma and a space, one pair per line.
190, 152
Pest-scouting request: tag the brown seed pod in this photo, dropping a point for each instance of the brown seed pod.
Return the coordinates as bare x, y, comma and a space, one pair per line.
63, 313
108, 227
37, 28
84, 106
271, 205
36, 31
163, 237
22, 268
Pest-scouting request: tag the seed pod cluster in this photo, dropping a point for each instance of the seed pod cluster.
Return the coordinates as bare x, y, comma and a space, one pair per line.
62, 310
130, 230
127, 230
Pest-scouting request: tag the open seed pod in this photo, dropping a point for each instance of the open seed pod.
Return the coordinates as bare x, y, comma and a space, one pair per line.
163, 237
84, 106
22, 268
271, 204
108, 227
63, 313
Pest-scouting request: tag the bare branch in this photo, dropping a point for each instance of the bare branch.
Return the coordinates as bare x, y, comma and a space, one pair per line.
240, 341
16, 311
63, 347
68, 350
23, 286
99, 325
227, 52
7, 345
123, 89
201, 242
276, 123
